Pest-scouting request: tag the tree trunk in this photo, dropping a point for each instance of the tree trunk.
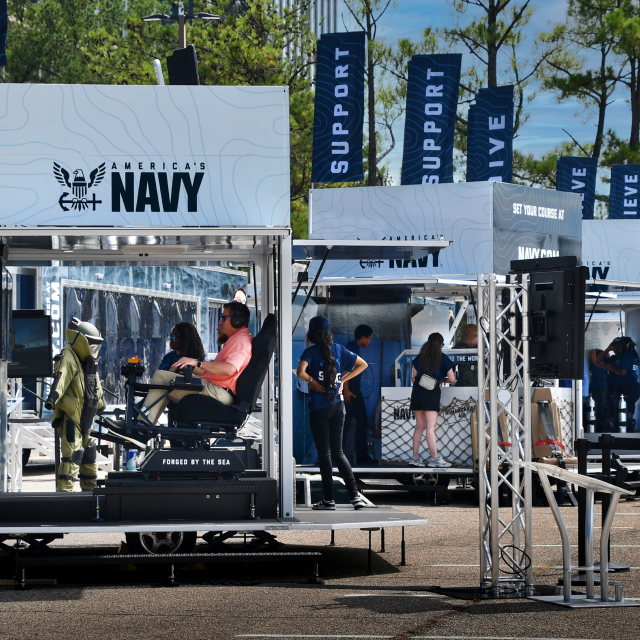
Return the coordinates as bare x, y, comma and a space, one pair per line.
492, 50
373, 150
634, 138
602, 103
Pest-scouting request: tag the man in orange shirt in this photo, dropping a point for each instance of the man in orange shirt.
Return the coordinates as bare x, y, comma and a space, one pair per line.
218, 377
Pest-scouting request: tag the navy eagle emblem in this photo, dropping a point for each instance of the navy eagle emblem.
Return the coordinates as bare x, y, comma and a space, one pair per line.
79, 186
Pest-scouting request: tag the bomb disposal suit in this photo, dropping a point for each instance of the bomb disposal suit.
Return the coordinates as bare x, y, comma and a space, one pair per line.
76, 397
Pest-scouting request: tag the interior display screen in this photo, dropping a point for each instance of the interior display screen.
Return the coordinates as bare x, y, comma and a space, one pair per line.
31, 355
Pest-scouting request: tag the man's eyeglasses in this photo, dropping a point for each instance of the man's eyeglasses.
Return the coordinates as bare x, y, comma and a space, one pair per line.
223, 319
171, 336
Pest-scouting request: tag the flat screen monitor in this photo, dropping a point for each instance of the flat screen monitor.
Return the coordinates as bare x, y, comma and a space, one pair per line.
32, 351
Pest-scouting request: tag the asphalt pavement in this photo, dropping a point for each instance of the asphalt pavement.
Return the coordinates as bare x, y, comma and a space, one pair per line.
275, 601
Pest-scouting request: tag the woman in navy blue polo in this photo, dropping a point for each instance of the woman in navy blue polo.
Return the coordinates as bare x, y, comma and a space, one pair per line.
325, 366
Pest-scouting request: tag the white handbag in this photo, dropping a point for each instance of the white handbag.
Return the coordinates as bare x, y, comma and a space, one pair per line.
427, 382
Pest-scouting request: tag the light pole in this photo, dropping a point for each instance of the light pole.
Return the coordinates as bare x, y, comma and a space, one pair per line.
178, 15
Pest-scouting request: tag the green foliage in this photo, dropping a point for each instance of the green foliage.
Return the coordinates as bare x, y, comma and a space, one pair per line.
541, 172
623, 24
381, 106
618, 151
583, 39
494, 37
300, 219
77, 41
48, 40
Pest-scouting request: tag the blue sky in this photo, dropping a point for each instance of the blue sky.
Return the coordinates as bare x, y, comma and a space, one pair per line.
547, 117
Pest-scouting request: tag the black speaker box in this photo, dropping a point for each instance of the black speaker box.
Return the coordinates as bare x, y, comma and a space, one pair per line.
556, 305
183, 66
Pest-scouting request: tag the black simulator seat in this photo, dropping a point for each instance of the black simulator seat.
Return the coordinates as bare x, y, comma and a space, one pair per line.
198, 411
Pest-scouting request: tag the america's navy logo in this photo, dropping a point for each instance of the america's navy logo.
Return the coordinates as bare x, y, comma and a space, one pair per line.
79, 186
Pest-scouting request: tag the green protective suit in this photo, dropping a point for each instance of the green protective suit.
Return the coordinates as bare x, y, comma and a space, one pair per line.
75, 397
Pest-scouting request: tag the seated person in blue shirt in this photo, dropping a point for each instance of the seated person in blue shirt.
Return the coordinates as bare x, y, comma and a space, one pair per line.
184, 342
626, 372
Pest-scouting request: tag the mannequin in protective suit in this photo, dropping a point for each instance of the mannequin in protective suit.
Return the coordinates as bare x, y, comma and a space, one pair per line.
75, 397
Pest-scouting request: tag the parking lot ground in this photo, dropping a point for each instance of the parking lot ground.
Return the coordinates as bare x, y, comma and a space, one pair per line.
274, 601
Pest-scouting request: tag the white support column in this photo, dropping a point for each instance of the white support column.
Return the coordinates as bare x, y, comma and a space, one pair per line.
4, 436
285, 409
526, 407
505, 534
578, 417
316, 31
482, 430
494, 427
15, 439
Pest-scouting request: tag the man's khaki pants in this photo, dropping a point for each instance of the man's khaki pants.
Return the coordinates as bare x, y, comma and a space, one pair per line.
165, 377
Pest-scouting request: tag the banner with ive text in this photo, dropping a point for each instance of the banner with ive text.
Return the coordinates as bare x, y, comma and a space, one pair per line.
490, 136
623, 198
432, 100
578, 175
339, 108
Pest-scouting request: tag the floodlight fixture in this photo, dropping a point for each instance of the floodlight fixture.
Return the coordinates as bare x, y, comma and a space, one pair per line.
178, 15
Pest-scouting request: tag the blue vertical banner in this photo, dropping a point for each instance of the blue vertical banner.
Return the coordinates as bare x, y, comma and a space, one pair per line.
471, 143
339, 108
578, 175
4, 25
624, 199
432, 101
490, 149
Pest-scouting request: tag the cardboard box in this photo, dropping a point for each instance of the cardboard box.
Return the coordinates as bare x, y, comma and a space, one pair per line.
538, 434
537, 429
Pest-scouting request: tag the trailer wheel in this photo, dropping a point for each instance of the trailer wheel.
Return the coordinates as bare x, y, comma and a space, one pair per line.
161, 542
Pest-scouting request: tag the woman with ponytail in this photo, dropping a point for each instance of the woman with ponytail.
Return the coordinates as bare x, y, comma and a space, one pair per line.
325, 366
430, 368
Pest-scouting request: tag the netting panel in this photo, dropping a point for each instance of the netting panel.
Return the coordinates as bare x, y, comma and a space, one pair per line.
565, 410
453, 431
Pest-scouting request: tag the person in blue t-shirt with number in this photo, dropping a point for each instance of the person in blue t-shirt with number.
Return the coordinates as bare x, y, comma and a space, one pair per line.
325, 366
626, 381
354, 400
425, 403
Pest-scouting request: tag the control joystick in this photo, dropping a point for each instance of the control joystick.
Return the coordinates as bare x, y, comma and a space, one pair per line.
187, 372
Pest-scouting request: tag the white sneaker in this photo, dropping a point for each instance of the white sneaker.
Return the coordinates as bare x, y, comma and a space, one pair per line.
415, 462
439, 462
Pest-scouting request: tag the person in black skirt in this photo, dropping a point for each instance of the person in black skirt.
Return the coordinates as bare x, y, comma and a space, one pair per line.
325, 365
426, 403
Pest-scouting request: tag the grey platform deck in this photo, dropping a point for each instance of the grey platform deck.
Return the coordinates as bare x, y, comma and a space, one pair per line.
383, 471
304, 519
